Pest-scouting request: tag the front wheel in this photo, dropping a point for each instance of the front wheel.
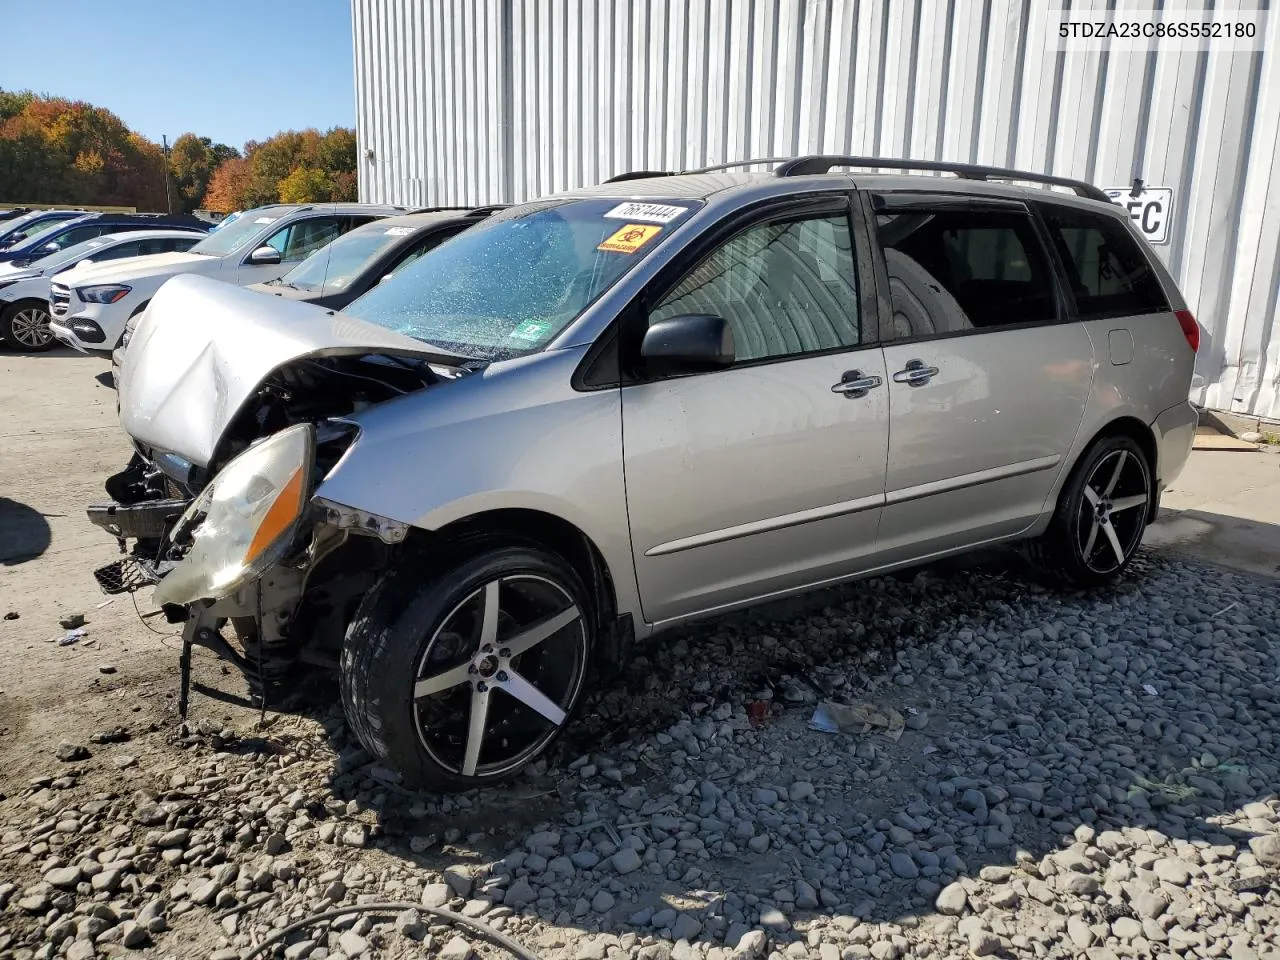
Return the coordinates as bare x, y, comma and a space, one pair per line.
463, 677
25, 327
1101, 516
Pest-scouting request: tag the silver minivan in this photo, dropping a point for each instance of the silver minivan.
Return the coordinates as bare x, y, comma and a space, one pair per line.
605, 413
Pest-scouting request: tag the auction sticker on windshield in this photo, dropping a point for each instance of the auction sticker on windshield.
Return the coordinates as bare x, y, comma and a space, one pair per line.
630, 238
399, 231
653, 212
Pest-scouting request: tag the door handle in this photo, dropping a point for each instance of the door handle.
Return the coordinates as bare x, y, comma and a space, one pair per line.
854, 384
916, 374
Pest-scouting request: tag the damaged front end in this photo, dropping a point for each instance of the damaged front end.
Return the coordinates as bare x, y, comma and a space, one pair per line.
227, 526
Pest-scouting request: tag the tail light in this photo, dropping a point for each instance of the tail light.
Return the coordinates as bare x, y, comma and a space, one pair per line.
1190, 329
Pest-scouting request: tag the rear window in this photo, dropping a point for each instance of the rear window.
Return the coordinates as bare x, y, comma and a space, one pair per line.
1107, 269
957, 270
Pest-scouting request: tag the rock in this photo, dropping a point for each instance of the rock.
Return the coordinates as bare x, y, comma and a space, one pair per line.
133, 936
299, 950
410, 924
437, 894
69, 752
1126, 928
984, 943
774, 920
903, 865
519, 894
625, 861
602, 902
81, 950
457, 949
1079, 933
1077, 884
1150, 905
459, 880
64, 878
952, 900
753, 943
275, 844
1172, 871
800, 790
107, 668
352, 944
71, 621
1266, 848
685, 927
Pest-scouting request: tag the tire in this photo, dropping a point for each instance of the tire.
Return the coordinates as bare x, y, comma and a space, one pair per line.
430, 634
1100, 518
24, 326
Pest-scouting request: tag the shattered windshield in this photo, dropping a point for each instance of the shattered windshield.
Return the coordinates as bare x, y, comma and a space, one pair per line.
507, 286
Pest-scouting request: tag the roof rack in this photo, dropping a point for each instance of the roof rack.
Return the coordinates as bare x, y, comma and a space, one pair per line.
804, 166
819, 164
443, 209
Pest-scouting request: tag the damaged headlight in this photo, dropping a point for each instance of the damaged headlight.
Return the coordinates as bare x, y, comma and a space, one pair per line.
244, 520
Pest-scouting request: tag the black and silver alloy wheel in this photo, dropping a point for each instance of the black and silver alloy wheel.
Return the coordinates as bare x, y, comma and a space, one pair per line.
462, 673
25, 327
1101, 515
1112, 513
498, 677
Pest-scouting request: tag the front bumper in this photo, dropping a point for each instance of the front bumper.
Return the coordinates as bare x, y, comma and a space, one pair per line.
70, 332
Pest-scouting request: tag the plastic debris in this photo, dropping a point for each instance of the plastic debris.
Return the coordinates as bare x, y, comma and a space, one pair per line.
1229, 606
758, 712
1149, 690
105, 603
73, 636
856, 718
11, 615
71, 621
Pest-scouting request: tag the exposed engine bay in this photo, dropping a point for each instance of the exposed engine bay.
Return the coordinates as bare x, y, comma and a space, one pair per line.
299, 609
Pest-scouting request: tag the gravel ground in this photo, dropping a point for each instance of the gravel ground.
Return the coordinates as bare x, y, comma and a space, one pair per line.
1080, 775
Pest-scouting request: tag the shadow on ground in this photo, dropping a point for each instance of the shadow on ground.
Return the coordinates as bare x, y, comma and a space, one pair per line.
1032, 713
24, 533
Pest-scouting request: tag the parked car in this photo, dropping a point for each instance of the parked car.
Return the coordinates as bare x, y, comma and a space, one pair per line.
356, 262
59, 236
19, 228
229, 219
10, 212
617, 410
90, 313
24, 291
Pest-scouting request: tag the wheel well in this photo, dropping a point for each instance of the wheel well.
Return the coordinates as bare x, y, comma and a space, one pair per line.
1141, 434
18, 304
140, 307
554, 534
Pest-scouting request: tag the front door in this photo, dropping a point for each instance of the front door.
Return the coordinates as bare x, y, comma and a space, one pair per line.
988, 377
768, 475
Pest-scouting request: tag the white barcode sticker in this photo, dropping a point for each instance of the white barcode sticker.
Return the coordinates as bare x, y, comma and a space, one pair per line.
649, 212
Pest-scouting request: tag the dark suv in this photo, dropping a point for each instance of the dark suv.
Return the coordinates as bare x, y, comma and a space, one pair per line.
61, 234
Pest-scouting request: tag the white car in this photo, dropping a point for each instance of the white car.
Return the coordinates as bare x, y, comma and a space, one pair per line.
90, 310
24, 291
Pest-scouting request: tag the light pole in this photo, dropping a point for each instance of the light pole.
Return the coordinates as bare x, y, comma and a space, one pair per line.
168, 201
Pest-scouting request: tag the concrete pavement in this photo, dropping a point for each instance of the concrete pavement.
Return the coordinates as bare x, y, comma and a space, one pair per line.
1224, 508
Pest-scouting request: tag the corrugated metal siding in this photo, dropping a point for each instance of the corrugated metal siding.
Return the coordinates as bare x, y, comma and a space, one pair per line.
474, 101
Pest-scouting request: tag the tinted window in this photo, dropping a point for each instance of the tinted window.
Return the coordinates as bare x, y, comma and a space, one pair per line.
73, 236
302, 238
1108, 271
956, 270
784, 287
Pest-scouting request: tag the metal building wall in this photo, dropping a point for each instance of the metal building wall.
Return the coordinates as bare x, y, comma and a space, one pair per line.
473, 101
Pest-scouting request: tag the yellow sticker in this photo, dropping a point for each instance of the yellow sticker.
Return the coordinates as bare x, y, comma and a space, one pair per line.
630, 238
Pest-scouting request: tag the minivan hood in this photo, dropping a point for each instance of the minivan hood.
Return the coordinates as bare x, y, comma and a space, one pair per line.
150, 265
204, 346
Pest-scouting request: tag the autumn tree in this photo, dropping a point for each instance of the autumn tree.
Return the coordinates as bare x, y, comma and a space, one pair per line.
306, 185
192, 161
228, 186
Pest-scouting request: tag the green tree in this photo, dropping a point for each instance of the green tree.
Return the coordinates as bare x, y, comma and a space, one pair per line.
305, 185
192, 160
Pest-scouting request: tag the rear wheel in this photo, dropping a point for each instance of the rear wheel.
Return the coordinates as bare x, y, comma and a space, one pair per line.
464, 677
1101, 516
25, 327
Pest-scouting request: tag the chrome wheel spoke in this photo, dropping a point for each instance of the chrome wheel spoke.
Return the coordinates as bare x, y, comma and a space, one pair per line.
453, 677
489, 617
1115, 475
531, 697
475, 731
1091, 495
1110, 530
1128, 503
522, 642
1093, 538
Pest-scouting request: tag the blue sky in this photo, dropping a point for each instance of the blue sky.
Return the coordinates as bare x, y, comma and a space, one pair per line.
233, 70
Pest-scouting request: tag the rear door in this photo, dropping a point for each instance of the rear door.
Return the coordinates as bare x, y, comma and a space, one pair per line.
766, 476
989, 374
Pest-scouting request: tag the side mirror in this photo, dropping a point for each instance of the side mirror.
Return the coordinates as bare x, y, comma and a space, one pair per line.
690, 343
265, 255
